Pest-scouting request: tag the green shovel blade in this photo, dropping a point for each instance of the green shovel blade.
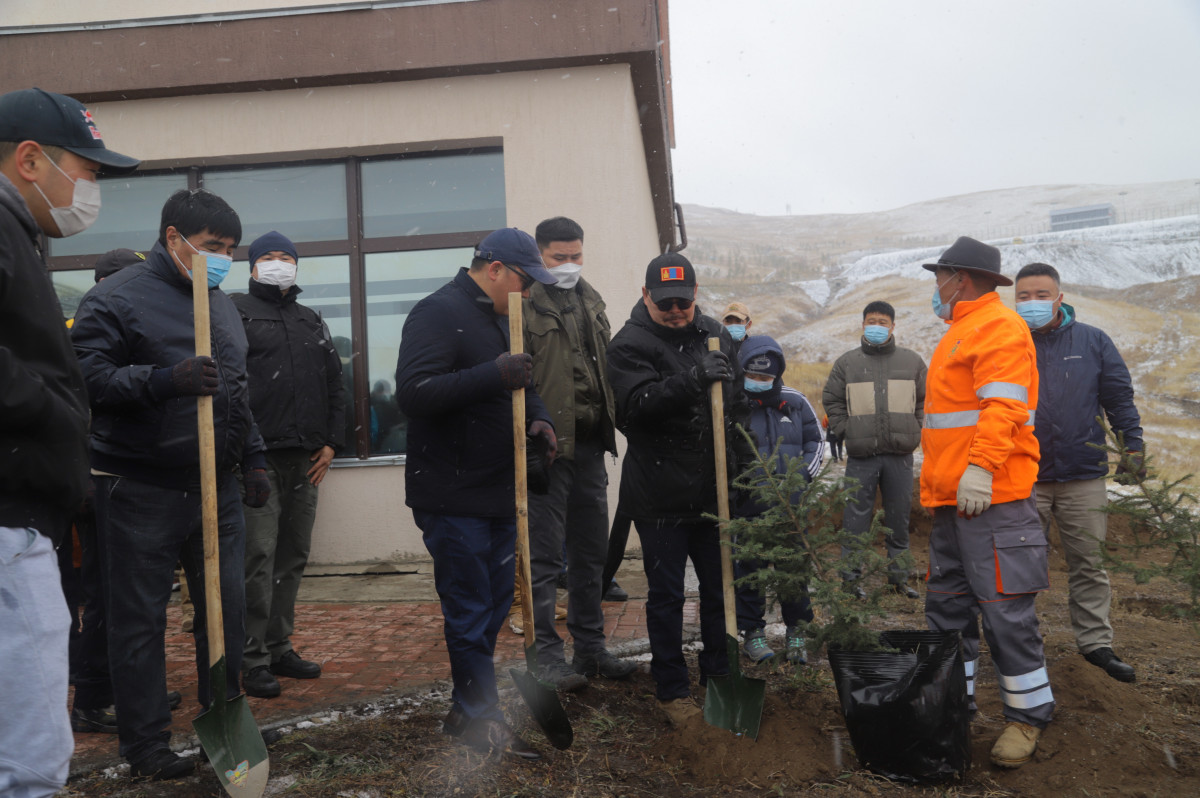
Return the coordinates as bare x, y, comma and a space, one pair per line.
231, 739
543, 703
734, 701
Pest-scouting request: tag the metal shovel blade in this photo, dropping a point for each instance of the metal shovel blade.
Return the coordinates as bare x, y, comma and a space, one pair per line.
543, 703
231, 739
734, 701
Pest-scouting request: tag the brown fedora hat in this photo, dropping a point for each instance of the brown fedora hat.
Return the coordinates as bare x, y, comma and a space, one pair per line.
973, 256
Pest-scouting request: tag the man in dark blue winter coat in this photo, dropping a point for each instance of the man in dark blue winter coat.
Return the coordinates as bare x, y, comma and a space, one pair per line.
135, 339
1080, 375
454, 382
782, 421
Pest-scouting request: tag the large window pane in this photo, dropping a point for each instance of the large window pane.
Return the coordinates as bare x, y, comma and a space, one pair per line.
70, 287
130, 211
305, 203
435, 194
395, 282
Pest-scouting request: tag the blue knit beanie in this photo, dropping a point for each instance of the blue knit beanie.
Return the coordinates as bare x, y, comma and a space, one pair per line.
271, 242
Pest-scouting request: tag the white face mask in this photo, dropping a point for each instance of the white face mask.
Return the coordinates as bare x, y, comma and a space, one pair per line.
566, 274
83, 210
276, 272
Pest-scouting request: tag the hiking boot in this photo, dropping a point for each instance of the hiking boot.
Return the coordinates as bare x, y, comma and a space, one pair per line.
259, 682
755, 646
291, 666
560, 674
1016, 745
797, 651
516, 622
455, 722
615, 592
161, 765
680, 710
100, 721
484, 734
906, 591
603, 664
1111, 664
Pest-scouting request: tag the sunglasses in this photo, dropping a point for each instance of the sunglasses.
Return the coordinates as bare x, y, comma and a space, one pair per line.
674, 302
526, 281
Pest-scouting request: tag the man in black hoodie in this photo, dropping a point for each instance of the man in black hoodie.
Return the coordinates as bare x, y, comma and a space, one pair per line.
50, 153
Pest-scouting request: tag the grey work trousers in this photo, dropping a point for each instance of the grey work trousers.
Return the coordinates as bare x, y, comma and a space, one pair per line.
278, 540
1083, 526
892, 474
993, 566
575, 510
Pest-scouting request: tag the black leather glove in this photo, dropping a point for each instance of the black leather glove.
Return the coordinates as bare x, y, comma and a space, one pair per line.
1131, 469
714, 366
196, 376
257, 486
516, 371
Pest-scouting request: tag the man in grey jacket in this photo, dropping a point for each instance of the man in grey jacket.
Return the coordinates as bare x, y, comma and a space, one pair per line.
875, 398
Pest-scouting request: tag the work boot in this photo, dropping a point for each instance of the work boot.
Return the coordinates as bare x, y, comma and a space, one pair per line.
174, 699
1016, 745
905, 590
852, 587
615, 592
101, 721
455, 722
293, 667
516, 621
161, 765
1112, 664
755, 645
603, 664
259, 682
560, 674
680, 710
487, 735
797, 651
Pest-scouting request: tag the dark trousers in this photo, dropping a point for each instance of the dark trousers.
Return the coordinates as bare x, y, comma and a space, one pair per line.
892, 475
89, 650
665, 552
473, 568
752, 605
143, 530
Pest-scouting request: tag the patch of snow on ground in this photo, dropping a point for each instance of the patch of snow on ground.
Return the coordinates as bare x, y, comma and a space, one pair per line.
817, 289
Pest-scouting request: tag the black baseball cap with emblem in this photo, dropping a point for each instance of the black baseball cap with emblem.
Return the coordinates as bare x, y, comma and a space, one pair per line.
59, 121
671, 276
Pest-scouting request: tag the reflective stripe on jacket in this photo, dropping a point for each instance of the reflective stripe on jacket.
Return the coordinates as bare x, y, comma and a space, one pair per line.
980, 402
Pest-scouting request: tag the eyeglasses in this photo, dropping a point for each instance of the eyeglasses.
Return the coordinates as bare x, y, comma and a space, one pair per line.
526, 281
674, 302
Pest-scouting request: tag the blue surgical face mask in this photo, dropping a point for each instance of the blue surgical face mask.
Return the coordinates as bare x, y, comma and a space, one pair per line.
218, 265
754, 386
736, 331
943, 310
1036, 312
876, 334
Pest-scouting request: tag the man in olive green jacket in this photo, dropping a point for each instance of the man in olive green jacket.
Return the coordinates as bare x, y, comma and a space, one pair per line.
875, 398
567, 333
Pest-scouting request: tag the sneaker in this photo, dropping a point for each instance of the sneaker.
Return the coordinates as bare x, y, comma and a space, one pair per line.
615, 592
1016, 745
259, 682
797, 651
560, 674
1110, 663
161, 765
755, 646
99, 721
603, 664
291, 666
680, 710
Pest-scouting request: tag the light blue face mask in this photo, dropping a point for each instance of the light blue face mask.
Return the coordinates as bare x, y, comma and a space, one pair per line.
218, 265
737, 331
943, 310
876, 334
1036, 312
754, 386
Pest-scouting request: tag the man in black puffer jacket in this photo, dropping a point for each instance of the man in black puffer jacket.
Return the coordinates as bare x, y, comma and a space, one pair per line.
135, 339
660, 369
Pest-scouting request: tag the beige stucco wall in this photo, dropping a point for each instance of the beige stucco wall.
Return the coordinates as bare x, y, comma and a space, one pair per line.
572, 146
18, 13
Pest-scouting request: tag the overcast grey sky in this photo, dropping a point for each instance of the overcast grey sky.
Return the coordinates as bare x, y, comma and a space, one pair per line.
845, 106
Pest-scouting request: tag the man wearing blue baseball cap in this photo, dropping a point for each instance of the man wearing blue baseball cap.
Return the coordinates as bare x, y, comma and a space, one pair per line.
454, 380
50, 153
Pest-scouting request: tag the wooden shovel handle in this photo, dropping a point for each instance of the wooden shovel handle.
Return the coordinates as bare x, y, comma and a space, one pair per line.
208, 476
718, 423
516, 335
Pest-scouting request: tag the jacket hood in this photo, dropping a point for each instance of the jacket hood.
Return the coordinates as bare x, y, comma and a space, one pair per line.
756, 345
11, 199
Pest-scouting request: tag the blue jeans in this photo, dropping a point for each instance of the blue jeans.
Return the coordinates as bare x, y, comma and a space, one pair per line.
35, 735
473, 568
665, 552
143, 530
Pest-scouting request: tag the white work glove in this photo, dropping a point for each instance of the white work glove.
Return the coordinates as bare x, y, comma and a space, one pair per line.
974, 491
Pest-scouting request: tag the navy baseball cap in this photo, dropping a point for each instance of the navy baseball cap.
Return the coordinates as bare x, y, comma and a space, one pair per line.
515, 248
57, 120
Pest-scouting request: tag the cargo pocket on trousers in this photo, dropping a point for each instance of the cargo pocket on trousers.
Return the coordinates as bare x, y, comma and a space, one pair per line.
1021, 565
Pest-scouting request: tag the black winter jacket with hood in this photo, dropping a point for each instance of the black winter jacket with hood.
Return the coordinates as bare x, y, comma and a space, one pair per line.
129, 331
43, 404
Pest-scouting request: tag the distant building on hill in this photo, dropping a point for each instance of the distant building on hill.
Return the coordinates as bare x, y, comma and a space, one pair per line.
1083, 216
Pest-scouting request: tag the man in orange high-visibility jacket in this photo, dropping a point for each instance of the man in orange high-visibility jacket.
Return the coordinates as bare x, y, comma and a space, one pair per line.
987, 551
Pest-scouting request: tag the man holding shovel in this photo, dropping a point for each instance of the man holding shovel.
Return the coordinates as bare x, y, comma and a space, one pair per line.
135, 340
454, 381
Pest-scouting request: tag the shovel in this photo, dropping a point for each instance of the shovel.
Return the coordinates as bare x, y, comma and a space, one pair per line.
541, 698
226, 729
733, 702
